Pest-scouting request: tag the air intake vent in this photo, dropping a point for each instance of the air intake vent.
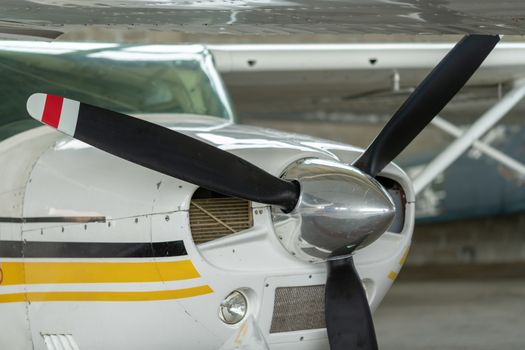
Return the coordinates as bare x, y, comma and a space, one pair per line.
60, 342
298, 308
214, 216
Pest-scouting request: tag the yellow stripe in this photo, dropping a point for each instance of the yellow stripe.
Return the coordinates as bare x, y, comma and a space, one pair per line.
392, 275
105, 296
95, 272
404, 257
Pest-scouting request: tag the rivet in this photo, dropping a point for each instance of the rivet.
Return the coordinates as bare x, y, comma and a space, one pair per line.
167, 218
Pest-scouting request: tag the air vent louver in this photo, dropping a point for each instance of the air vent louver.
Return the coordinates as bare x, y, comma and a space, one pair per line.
298, 308
218, 216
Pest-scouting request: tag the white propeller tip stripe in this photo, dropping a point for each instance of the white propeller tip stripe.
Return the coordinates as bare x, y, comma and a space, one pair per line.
69, 116
35, 105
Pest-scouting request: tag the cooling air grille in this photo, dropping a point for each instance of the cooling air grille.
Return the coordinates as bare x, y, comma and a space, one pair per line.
298, 308
212, 218
60, 342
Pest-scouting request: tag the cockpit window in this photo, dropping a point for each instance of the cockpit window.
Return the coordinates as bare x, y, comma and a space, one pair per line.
133, 79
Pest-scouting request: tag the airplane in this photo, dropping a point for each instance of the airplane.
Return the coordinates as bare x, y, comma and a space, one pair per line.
104, 227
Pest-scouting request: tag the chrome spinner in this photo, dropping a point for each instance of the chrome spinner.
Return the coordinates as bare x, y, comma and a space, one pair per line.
340, 209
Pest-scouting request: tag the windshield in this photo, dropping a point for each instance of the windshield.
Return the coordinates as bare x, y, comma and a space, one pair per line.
133, 79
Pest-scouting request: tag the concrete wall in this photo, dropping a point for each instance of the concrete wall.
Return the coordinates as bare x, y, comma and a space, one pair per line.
487, 240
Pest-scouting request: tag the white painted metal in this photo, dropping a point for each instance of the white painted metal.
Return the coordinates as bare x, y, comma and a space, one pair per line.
501, 157
18, 154
325, 57
460, 145
60, 342
249, 336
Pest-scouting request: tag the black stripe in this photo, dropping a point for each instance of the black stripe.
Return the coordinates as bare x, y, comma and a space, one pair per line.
43, 33
59, 219
19, 249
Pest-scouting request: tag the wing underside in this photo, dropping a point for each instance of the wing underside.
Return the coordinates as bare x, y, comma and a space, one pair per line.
48, 19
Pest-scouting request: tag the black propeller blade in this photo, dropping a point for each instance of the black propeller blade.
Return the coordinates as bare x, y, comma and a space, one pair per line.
348, 319
427, 100
164, 150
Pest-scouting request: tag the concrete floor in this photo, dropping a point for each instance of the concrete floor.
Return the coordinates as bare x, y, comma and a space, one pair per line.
453, 315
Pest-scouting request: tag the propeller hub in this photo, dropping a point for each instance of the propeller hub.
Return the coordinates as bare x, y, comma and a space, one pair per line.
340, 209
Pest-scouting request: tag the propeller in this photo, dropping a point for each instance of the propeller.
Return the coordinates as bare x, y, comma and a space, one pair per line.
164, 150
426, 101
348, 317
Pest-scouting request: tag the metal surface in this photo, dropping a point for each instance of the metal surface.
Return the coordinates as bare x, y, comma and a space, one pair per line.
298, 308
481, 126
340, 209
248, 337
371, 57
267, 16
60, 342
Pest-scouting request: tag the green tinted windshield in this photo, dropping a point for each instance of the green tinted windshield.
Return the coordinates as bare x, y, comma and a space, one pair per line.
127, 78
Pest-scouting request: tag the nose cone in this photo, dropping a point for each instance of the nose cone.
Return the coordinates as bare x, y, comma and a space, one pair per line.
341, 209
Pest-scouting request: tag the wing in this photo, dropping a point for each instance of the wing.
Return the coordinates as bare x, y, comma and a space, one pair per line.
350, 80
265, 16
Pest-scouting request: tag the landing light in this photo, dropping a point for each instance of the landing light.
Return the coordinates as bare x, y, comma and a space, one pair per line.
233, 308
